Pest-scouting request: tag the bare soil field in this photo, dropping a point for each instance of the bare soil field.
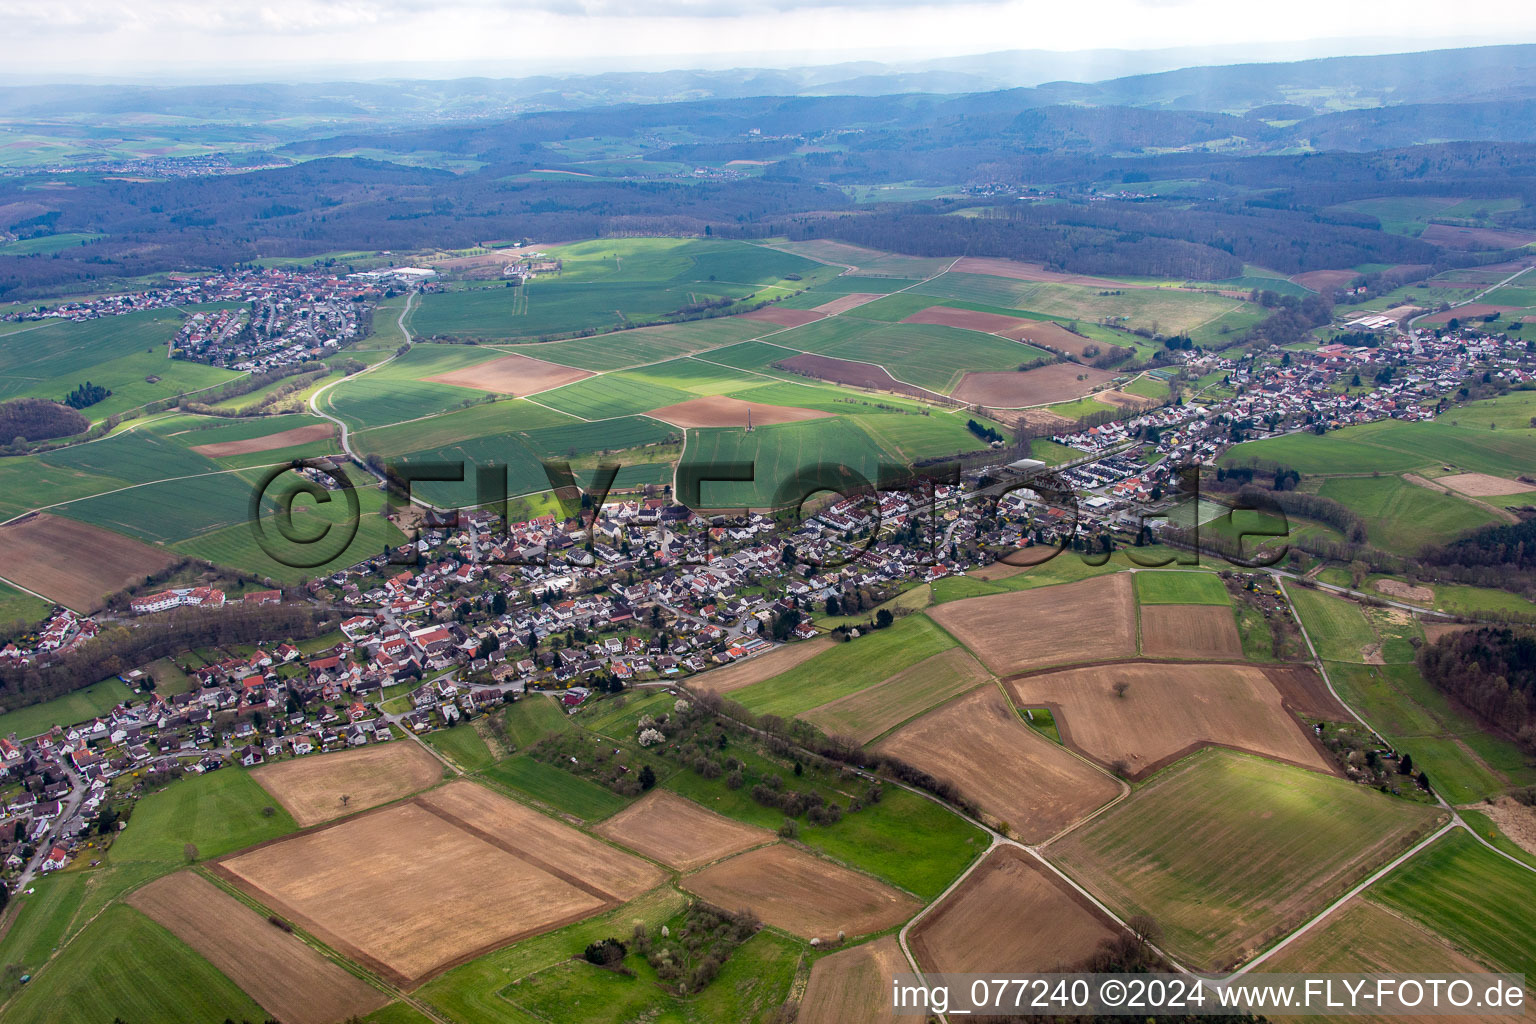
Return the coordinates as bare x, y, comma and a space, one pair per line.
1481, 485
1044, 385
1030, 417
995, 267
1092, 620
858, 375
270, 442
720, 411
1403, 592
678, 832
1167, 712
542, 840
854, 986
977, 928
843, 303
1433, 631
1365, 937
1326, 281
868, 713
1515, 820
802, 894
74, 563
783, 317
1012, 772
406, 892
1054, 336
755, 670
967, 319
1476, 238
1305, 692
1190, 631
512, 375
290, 980
1124, 401
1467, 312
311, 788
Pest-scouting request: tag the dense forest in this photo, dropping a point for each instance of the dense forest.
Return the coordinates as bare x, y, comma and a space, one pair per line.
1512, 547
1491, 671
37, 419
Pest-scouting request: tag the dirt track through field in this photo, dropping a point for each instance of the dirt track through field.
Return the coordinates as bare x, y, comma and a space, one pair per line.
802, 894
268, 442
74, 563
290, 980
678, 832
1014, 774
1010, 914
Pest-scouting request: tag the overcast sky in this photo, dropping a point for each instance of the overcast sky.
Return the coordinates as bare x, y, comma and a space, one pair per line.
84, 38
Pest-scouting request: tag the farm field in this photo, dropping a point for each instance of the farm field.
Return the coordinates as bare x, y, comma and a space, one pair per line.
311, 788
980, 744
852, 987
1168, 711
289, 979
1090, 620
215, 813
1402, 517
644, 345
1259, 848
846, 668
462, 745
1459, 438
802, 894
75, 706
74, 563
283, 437
781, 458
1189, 631
975, 929
1043, 385
511, 375
1471, 896
125, 966
1363, 937
678, 832
554, 788
1175, 587
870, 712
502, 892
759, 668
612, 282
723, 411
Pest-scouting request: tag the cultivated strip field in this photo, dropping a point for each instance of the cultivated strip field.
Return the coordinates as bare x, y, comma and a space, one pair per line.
996, 267
1189, 631
799, 893
1044, 385
1166, 712
74, 563
858, 375
1481, 485
720, 411
543, 840
1093, 620
311, 788
868, 713
1228, 851
678, 832
843, 303
512, 375
267, 442
290, 980
406, 892
1016, 775
1010, 914
755, 670
782, 316
854, 986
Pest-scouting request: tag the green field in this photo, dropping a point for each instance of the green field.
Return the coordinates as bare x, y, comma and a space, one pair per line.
1459, 438
125, 967
928, 355
218, 813
1258, 848
1403, 518
1154, 587
532, 718
1337, 626
646, 344
1474, 898
846, 668
556, 788
906, 839
463, 746
41, 922
613, 394
612, 283
782, 458
75, 706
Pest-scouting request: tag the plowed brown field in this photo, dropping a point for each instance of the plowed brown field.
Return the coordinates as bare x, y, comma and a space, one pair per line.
268, 442
678, 832
512, 375
854, 986
74, 563
720, 411
1194, 631
1093, 620
311, 788
1044, 385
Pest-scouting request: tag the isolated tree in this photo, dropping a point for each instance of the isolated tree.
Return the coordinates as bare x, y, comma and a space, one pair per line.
883, 618
647, 778
1405, 766
346, 798
189, 851
1120, 688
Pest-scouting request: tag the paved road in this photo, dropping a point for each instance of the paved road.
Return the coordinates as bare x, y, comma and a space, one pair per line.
314, 399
